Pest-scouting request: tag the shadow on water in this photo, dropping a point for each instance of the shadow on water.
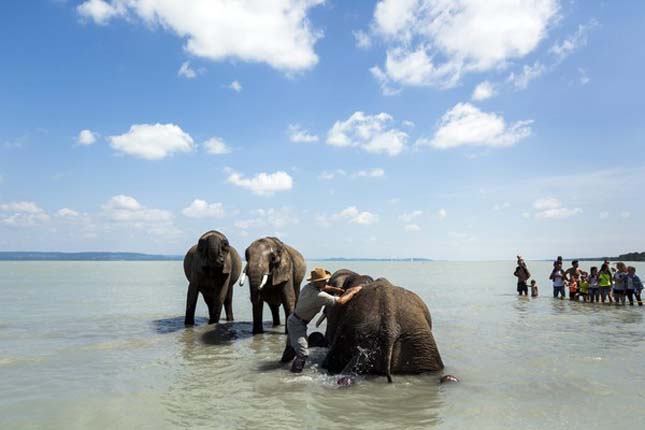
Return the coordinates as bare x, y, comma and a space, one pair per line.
174, 324
226, 333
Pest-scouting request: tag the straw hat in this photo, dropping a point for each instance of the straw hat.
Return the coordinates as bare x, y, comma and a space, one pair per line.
319, 274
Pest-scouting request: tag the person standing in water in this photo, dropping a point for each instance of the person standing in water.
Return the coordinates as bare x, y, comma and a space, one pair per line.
572, 276
534, 288
619, 283
634, 286
557, 276
312, 298
522, 273
605, 281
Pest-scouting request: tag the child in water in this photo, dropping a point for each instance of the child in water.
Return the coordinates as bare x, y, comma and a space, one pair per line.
573, 289
534, 288
634, 286
594, 286
619, 283
584, 288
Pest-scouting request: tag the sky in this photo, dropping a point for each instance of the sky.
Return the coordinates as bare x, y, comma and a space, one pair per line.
460, 130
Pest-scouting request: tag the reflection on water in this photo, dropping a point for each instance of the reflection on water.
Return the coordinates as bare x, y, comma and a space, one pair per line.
109, 350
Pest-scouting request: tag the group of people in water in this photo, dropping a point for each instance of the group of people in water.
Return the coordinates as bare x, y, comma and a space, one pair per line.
617, 284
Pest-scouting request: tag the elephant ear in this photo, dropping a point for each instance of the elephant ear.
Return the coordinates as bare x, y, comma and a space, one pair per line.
228, 261
281, 270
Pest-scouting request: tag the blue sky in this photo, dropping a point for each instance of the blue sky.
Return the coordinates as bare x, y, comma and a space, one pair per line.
426, 128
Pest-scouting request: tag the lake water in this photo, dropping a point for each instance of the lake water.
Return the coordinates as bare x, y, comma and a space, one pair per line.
101, 345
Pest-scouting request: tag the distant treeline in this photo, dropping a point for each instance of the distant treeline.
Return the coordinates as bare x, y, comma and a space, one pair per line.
85, 256
630, 256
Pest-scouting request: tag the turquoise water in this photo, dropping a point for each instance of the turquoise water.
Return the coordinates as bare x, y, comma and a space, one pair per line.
102, 345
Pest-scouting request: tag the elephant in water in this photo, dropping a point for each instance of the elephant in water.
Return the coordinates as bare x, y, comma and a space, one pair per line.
383, 330
212, 267
275, 271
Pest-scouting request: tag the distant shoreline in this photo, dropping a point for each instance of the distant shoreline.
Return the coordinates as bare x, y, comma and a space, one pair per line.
134, 256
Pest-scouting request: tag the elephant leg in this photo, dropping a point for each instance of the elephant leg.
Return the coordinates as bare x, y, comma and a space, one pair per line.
257, 313
288, 301
275, 312
228, 298
214, 309
191, 304
228, 304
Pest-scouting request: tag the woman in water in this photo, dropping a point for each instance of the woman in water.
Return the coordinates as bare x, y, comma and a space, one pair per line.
604, 282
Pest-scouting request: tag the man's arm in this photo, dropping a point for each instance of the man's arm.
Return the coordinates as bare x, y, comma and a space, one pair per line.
333, 290
348, 295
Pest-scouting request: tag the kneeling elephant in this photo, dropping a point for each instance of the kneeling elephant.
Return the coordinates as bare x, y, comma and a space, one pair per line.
385, 329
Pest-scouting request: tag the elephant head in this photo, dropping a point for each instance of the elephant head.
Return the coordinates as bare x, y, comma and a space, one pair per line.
213, 249
344, 279
268, 263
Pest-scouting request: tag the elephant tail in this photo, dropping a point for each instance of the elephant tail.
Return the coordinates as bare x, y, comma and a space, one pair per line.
388, 361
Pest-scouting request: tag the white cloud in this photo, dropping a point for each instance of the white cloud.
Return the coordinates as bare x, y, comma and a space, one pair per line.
186, 71
443, 214
603, 215
86, 137
625, 215
563, 49
551, 208
371, 133
558, 213
435, 42
354, 216
263, 184
152, 141
465, 125
276, 32
328, 176
202, 209
216, 146
22, 214
67, 213
101, 11
484, 90
409, 216
235, 86
501, 206
546, 203
123, 208
371, 173
411, 227
528, 73
300, 135
275, 218
413, 68
363, 40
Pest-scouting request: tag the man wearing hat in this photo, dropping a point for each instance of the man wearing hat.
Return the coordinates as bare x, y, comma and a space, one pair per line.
312, 298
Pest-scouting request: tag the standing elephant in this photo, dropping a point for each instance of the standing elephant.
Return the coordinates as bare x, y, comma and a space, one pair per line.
383, 330
275, 271
212, 267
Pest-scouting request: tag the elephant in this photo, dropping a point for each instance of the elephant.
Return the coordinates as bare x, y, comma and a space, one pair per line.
212, 267
383, 330
275, 271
